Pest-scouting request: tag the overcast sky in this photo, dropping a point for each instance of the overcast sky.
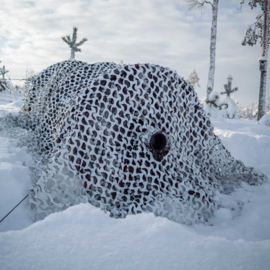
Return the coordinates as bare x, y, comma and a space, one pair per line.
155, 31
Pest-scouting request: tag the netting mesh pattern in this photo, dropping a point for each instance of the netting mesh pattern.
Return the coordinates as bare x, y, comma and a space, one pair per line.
128, 139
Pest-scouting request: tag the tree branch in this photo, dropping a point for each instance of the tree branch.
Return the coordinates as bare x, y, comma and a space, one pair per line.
81, 42
65, 39
68, 38
196, 4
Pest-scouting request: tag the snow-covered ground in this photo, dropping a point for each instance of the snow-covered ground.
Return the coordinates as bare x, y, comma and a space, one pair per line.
83, 237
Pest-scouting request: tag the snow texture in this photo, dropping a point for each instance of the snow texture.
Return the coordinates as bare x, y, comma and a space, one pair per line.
232, 110
83, 237
265, 120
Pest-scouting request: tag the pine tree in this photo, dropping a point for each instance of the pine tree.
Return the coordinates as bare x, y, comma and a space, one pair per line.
214, 101
194, 79
213, 106
232, 109
228, 87
199, 4
254, 33
72, 43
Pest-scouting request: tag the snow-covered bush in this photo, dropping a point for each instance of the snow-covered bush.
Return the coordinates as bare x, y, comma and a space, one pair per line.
5, 85
213, 106
232, 110
250, 111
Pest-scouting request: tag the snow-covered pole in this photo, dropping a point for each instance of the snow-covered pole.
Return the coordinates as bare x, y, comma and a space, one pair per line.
73, 44
263, 61
211, 74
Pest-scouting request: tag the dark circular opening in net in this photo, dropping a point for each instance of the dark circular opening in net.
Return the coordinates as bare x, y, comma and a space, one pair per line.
158, 142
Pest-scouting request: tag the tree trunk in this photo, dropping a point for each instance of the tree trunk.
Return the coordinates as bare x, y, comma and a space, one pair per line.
211, 74
72, 54
262, 94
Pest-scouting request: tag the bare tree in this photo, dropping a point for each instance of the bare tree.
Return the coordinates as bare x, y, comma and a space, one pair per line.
72, 43
199, 4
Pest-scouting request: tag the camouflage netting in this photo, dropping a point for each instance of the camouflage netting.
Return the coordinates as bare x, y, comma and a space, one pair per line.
128, 139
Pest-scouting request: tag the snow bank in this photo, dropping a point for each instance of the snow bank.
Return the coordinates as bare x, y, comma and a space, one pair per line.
265, 120
232, 110
83, 237
8, 104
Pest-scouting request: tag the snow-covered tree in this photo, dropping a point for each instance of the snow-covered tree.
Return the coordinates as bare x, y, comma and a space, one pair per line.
260, 30
250, 111
72, 43
228, 87
232, 110
194, 79
213, 106
4, 84
199, 4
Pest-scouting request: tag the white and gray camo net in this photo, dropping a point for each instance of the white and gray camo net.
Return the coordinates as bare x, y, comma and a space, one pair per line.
128, 139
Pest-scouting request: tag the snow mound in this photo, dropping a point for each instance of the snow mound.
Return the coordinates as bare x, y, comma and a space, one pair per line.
8, 104
265, 120
83, 237
232, 110
215, 95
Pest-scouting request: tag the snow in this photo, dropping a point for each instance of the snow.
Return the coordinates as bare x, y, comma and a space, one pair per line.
265, 120
211, 110
9, 103
263, 58
83, 237
232, 110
